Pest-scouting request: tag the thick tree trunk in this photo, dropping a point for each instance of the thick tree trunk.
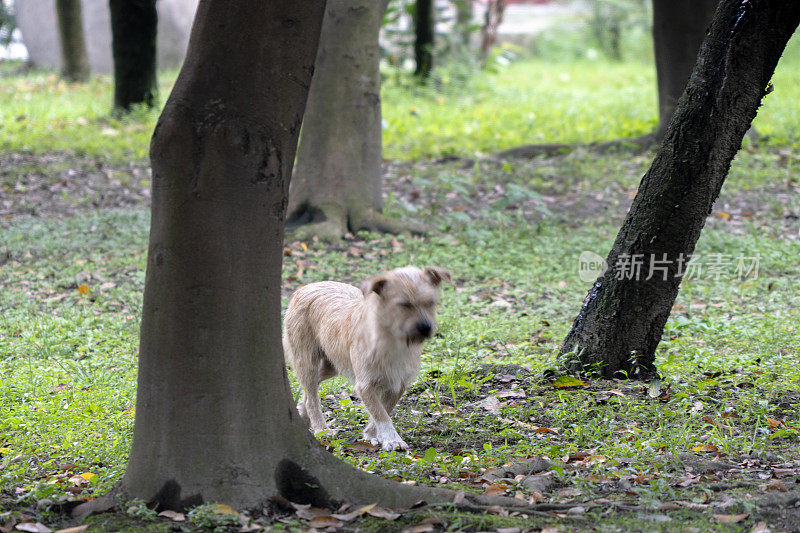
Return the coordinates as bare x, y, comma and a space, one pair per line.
73, 45
134, 24
337, 183
679, 27
424, 35
623, 316
215, 418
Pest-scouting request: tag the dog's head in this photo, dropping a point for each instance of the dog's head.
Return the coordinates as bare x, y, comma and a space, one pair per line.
407, 299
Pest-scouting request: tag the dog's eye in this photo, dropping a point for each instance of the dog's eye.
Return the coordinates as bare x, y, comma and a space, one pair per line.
406, 305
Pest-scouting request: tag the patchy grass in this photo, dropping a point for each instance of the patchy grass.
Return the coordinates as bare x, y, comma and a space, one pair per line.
716, 437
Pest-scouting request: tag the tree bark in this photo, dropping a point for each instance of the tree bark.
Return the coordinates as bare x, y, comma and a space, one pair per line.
491, 24
337, 183
73, 45
134, 25
679, 27
424, 35
464, 20
622, 318
215, 418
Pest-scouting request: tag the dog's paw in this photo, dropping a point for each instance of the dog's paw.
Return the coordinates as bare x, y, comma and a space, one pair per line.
390, 444
388, 439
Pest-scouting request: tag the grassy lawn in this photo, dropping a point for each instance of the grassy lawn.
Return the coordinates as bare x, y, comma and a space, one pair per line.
715, 438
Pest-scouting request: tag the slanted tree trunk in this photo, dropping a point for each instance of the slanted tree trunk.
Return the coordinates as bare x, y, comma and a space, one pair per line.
620, 323
679, 27
73, 45
337, 183
134, 25
424, 35
215, 418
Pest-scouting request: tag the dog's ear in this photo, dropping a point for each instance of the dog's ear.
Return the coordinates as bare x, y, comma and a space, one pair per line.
437, 275
374, 284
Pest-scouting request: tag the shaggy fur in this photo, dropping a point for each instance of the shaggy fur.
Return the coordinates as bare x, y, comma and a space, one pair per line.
372, 336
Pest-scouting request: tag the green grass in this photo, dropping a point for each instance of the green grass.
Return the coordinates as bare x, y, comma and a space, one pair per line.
729, 358
529, 101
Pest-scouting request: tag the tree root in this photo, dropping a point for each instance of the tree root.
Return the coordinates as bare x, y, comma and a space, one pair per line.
331, 223
530, 151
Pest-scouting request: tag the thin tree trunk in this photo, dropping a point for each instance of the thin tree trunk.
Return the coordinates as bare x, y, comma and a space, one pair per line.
73, 45
622, 318
679, 27
464, 20
215, 418
424, 35
337, 183
491, 25
134, 25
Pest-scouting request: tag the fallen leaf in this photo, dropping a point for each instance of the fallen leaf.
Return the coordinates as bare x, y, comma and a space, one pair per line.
360, 446
173, 515
347, 517
760, 527
76, 529
78, 480
419, 528
386, 514
730, 518
496, 489
324, 521
776, 423
491, 404
84, 289
705, 448
221, 508
567, 381
33, 527
542, 429
88, 476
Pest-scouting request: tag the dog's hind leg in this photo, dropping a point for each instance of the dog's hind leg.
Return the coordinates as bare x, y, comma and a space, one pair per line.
310, 406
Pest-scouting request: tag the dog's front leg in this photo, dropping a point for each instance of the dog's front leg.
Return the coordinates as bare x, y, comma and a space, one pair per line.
380, 429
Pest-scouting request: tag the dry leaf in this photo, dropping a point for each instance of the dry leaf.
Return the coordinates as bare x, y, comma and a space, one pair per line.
419, 528
360, 446
760, 527
173, 515
386, 514
730, 518
76, 529
347, 517
496, 489
33, 527
84, 289
324, 521
542, 429
776, 423
491, 404
705, 448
